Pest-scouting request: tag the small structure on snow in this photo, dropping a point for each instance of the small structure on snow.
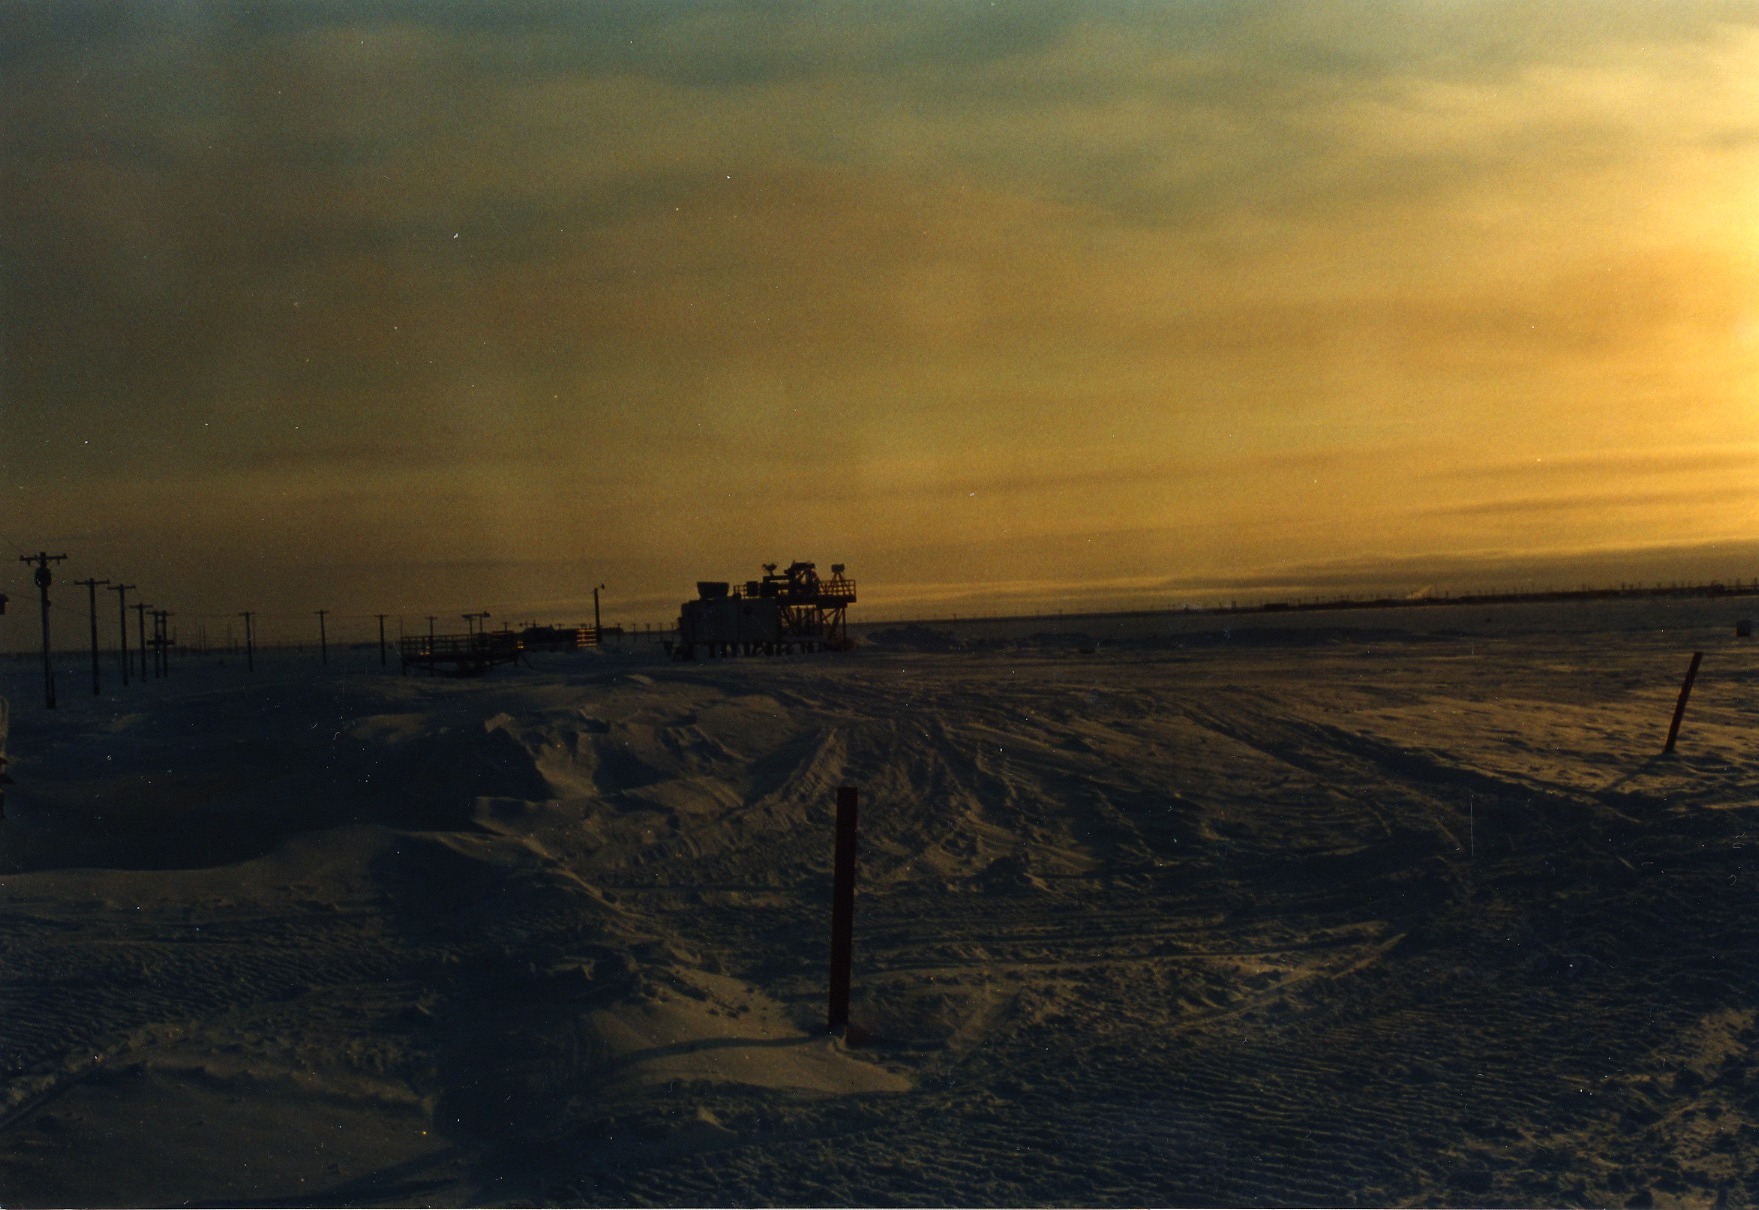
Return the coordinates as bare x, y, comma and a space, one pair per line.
460, 654
787, 611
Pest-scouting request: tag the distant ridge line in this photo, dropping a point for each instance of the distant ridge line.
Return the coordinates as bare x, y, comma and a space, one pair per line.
1715, 588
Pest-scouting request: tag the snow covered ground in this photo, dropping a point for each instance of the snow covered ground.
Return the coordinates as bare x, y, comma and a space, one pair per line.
1371, 907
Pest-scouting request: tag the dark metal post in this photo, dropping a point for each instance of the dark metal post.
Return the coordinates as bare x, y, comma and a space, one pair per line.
381, 618
162, 639
92, 601
121, 591
843, 909
323, 636
140, 617
250, 649
1679, 710
597, 631
43, 581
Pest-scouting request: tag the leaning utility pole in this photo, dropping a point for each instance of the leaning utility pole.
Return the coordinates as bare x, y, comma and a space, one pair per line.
92, 597
122, 609
381, 617
42, 559
250, 651
323, 638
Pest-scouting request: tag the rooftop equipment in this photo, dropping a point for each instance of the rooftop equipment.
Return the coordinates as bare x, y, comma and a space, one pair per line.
787, 611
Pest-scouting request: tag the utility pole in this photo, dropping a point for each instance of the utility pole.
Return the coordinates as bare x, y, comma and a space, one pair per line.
140, 616
92, 598
250, 651
162, 640
121, 591
381, 618
43, 578
596, 642
323, 637
469, 622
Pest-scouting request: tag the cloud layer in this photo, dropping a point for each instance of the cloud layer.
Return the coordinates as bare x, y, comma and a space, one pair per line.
1143, 294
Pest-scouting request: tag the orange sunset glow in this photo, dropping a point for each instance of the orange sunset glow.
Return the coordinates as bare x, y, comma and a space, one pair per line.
417, 307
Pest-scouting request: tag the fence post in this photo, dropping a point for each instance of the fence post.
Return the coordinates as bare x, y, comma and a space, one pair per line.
843, 910
1679, 710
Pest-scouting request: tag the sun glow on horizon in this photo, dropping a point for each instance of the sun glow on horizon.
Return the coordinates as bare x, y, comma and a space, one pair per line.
951, 294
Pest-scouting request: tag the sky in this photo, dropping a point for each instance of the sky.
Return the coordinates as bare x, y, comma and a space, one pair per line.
418, 307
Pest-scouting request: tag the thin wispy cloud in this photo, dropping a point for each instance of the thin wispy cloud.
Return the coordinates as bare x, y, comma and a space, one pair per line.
1247, 281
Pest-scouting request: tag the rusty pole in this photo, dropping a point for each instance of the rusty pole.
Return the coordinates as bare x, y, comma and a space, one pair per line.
843, 910
1679, 710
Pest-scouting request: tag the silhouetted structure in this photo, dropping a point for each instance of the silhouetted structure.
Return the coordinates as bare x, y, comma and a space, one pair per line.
460, 654
558, 638
787, 611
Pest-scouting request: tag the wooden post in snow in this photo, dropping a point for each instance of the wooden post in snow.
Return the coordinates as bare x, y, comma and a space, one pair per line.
1679, 710
843, 910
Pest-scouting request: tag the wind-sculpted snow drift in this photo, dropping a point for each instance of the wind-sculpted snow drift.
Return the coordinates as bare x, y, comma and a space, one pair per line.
1168, 914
